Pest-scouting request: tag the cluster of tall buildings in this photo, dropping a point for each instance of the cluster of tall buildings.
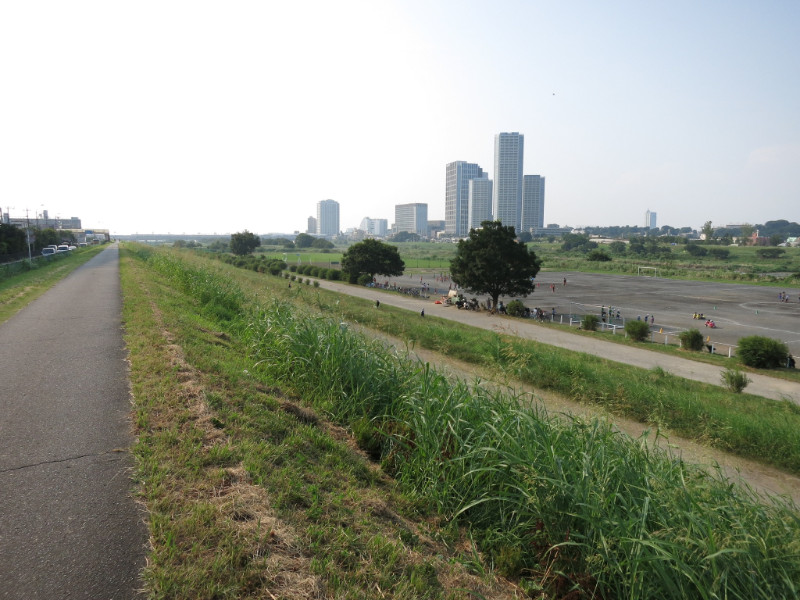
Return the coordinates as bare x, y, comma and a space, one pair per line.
512, 197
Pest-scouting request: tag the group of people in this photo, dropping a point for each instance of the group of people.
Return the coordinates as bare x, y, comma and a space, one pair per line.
784, 297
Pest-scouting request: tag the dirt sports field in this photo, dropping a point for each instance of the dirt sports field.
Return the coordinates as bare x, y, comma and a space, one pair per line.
737, 310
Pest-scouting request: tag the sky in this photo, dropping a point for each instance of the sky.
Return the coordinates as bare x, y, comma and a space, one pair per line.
215, 117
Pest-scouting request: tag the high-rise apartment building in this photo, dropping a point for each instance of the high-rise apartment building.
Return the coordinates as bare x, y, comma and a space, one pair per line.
328, 218
480, 201
650, 220
412, 218
374, 227
312, 225
532, 202
507, 192
456, 196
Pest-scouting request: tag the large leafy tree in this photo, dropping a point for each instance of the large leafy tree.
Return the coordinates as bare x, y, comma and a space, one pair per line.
244, 242
303, 240
492, 261
371, 257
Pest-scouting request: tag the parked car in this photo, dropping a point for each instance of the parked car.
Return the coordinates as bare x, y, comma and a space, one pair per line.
48, 251
63, 248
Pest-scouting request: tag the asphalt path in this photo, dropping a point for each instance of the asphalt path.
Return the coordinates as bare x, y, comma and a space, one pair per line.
69, 526
670, 301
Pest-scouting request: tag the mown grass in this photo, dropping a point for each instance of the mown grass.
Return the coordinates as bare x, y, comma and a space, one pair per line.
19, 289
250, 493
564, 506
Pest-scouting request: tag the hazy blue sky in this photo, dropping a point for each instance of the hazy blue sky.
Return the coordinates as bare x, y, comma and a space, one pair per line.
178, 116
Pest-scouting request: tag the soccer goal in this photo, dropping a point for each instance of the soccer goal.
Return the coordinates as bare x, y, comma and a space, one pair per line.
648, 272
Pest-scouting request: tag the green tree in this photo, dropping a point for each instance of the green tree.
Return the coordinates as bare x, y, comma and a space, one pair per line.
371, 257
47, 237
492, 261
405, 236
303, 240
244, 243
746, 232
708, 231
322, 243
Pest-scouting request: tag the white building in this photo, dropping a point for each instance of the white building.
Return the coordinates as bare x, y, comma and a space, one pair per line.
312, 225
412, 218
507, 192
374, 227
328, 218
650, 220
480, 201
532, 202
456, 196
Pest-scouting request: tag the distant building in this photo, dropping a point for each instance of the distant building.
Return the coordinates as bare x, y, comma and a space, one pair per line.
456, 196
480, 202
650, 220
532, 202
328, 218
412, 218
435, 228
374, 227
312, 225
507, 189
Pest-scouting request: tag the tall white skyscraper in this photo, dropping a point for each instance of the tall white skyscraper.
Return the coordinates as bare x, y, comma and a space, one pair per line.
507, 193
456, 196
532, 202
412, 218
328, 218
480, 201
650, 220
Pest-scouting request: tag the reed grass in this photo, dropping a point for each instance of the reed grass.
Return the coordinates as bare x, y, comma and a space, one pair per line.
559, 501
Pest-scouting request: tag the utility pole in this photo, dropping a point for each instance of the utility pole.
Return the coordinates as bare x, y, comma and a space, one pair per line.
28, 233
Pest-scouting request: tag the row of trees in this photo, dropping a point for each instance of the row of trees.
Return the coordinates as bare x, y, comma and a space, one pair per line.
490, 261
14, 240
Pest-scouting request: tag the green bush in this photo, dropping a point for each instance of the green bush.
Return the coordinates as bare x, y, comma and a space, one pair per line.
734, 380
590, 322
364, 279
515, 308
334, 274
598, 256
762, 352
637, 330
692, 339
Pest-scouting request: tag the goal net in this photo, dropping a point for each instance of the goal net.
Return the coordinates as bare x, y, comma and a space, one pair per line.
647, 272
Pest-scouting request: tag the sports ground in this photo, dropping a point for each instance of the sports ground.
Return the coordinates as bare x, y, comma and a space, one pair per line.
738, 310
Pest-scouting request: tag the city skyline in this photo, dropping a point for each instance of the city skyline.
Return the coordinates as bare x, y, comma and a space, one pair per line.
245, 115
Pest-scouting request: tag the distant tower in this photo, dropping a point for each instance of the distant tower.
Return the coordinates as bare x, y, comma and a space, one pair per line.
328, 218
650, 220
507, 192
532, 202
312, 225
456, 196
480, 201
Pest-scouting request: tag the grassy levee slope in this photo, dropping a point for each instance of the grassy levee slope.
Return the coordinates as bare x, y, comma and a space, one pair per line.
235, 470
252, 494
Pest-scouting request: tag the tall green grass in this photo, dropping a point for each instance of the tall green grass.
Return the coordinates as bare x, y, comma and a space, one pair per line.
556, 501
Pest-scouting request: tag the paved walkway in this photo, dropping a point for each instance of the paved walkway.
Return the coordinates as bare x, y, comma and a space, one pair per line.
69, 527
760, 385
